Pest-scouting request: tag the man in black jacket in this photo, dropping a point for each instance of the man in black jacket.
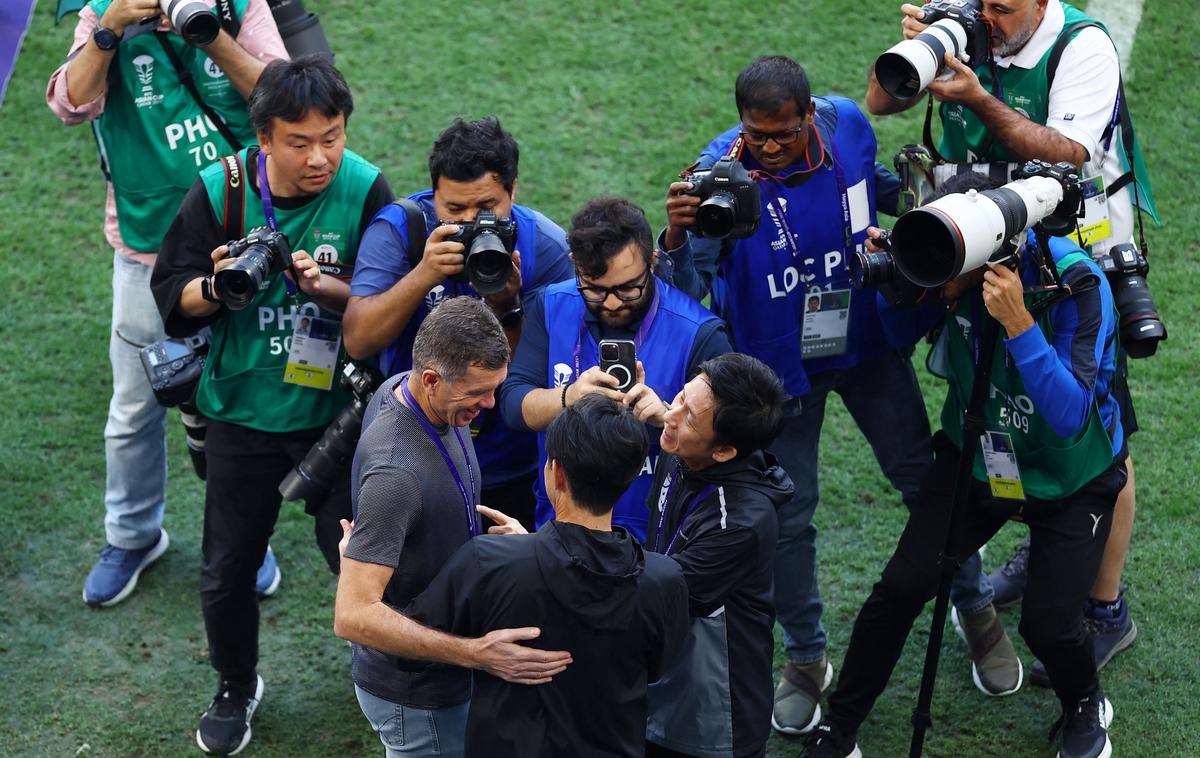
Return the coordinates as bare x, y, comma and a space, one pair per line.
622, 613
712, 509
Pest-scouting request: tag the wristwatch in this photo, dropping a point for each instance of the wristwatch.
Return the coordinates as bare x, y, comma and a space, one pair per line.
106, 39
512, 318
206, 290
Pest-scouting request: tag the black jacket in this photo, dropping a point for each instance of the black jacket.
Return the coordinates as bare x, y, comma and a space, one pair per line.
620, 613
715, 699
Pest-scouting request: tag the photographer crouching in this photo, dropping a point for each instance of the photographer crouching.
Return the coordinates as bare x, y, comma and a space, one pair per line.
1052, 449
269, 385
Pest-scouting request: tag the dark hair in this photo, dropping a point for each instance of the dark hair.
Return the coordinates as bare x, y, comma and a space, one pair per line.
769, 82
749, 401
467, 150
603, 227
960, 183
458, 334
601, 447
287, 90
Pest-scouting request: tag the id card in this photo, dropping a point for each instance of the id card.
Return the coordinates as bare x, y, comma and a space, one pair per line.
1095, 225
1004, 477
314, 353
826, 323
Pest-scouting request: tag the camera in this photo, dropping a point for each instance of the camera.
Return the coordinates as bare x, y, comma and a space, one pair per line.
729, 201
960, 232
313, 478
261, 253
955, 26
301, 31
173, 368
195, 20
878, 270
489, 244
1141, 327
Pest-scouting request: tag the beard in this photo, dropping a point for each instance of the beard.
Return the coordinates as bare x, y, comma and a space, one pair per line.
1010, 46
628, 314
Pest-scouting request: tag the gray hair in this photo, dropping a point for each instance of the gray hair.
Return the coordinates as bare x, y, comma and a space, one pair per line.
458, 334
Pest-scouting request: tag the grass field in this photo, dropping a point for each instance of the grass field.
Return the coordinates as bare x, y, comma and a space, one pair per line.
611, 98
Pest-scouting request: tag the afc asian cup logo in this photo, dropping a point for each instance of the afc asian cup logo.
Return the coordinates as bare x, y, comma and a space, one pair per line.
562, 374
435, 297
144, 66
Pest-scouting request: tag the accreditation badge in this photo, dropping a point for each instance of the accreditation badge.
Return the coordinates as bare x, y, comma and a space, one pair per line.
1000, 460
1095, 226
314, 353
826, 323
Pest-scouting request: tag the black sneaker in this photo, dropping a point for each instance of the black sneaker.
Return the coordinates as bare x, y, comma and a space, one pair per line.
828, 742
1083, 728
1109, 636
1008, 581
225, 726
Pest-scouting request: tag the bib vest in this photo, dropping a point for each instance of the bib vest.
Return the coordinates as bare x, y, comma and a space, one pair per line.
664, 353
153, 137
504, 454
1051, 467
243, 376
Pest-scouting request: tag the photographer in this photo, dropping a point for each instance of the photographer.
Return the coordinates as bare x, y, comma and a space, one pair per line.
472, 170
1050, 91
814, 159
267, 390
153, 139
616, 295
1052, 457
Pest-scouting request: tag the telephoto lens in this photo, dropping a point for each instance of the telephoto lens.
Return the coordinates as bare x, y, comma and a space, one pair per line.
954, 27
195, 21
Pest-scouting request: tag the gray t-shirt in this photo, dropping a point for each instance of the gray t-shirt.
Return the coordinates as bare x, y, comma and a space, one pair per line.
409, 515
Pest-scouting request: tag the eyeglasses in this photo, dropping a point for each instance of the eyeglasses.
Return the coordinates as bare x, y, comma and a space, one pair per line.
758, 139
626, 293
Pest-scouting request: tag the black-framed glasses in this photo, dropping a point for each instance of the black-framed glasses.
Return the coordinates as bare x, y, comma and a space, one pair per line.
758, 139
626, 293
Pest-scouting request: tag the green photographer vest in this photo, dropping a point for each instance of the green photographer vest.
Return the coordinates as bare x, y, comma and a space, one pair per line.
1027, 91
1052, 467
243, 376
153, 137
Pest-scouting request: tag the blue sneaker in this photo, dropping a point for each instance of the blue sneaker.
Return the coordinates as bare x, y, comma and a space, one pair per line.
267, 580
116, 573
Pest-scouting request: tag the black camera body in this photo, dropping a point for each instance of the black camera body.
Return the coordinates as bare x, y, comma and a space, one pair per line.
965, 13
259, 254
1141, 328
1065, 217
489, 243
729, 202
173, 367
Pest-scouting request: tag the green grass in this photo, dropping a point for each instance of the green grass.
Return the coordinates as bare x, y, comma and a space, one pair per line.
611, 98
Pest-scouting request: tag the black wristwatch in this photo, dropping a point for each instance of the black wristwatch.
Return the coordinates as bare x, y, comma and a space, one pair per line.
206, 290
512, 318
106, 39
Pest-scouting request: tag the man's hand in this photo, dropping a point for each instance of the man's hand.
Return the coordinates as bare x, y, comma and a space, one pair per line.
874, 233
681, 214
309, 272
442, 258
510, 297
499, 654
123, 13
594, 380
505, 524
963, 87
1004, 297
912, 23
645, 403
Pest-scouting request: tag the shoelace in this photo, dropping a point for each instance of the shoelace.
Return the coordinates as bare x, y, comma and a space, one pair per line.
230, 701
1087, 708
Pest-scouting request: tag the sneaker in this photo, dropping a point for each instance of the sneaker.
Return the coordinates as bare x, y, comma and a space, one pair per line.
995, 667
116, 572
829, 742
1008, 581
1083, 728
1109, 636
225, 726
798, 697
268, 578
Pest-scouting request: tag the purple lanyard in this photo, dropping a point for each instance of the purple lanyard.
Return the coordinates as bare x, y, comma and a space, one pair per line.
472, 526
662, 511
839, 176
269, 211
643, 330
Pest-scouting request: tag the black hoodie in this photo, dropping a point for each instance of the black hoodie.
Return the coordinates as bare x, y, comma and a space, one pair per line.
715, 699
621, 613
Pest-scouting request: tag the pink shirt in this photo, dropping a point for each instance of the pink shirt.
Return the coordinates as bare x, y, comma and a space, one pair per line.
258, 36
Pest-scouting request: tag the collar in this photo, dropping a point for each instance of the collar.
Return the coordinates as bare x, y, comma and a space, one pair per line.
1042, 40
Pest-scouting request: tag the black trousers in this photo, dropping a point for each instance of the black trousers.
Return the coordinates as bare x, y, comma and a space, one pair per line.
1067, 540
241, 504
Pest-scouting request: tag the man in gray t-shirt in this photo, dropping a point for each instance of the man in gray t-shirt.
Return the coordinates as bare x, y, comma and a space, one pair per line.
415, 488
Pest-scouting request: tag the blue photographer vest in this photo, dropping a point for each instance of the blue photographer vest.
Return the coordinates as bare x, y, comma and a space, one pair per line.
767, 279
504, 454
664, 354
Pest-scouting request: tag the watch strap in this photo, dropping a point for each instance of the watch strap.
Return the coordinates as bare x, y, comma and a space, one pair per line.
206, 290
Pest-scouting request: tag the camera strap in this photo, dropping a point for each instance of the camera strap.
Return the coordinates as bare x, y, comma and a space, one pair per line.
228, 19
264, 189
235, 197
185, 78
414, 217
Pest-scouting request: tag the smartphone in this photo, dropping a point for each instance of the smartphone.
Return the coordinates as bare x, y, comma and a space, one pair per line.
619, 359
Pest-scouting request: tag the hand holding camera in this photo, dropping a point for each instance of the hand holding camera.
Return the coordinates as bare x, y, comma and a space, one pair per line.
124, 13
243, 266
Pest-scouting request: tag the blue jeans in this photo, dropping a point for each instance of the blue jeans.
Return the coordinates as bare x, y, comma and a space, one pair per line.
406, 731
135, 442
884, 399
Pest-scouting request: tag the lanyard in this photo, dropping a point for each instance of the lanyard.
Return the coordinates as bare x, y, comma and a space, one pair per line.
472, 527
269, 211
662, 511
642, 331
839, 176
